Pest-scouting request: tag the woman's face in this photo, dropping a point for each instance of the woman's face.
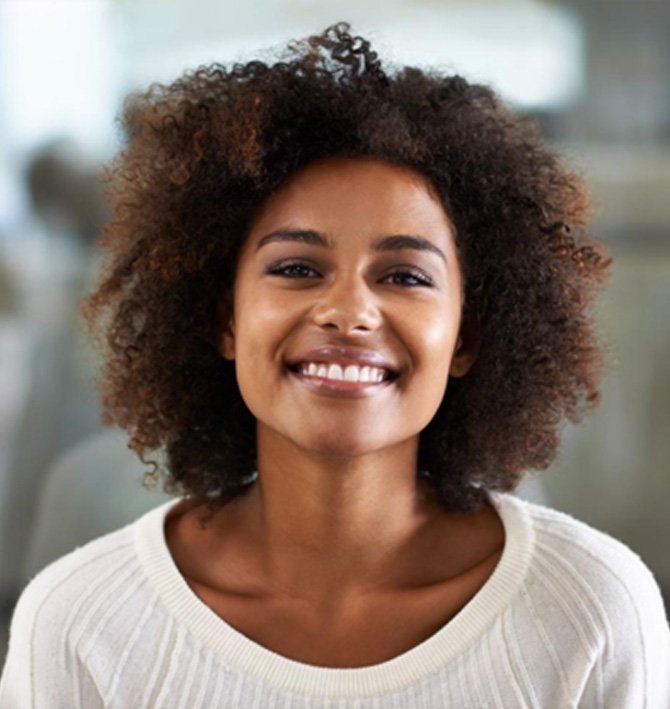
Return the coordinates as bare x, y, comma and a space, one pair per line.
346, 309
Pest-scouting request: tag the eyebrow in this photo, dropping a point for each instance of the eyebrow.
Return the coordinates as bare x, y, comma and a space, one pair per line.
306, 236
396, 242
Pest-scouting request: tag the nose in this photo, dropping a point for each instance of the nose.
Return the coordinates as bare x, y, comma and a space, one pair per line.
347, 306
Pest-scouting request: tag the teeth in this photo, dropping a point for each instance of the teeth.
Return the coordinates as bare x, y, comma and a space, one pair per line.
351, 373
335, 372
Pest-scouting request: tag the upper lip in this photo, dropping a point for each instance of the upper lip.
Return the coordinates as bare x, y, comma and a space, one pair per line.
342, 355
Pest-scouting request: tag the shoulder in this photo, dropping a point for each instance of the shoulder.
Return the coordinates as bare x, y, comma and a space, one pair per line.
74, 619
103, 567
50, 621
96, 588
67, 586
597, 604
584, 554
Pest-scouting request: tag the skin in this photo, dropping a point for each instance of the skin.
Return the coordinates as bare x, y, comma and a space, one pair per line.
337, 532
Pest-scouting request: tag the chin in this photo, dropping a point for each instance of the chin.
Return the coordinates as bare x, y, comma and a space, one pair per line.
344, 447
337, 449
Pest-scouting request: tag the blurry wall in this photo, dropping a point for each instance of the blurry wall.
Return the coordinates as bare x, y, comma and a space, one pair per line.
595, 75
614, 470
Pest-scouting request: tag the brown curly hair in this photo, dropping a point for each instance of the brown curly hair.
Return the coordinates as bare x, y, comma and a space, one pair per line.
204, 153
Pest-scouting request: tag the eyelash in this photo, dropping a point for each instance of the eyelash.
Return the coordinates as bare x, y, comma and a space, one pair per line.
282, 269
421, 278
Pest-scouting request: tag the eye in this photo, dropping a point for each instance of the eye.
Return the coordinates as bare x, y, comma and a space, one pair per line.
408, 277
291, 269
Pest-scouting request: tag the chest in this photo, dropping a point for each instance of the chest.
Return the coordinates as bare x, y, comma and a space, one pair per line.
366, 633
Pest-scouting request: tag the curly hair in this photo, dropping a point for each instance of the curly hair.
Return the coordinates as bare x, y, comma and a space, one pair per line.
202, 156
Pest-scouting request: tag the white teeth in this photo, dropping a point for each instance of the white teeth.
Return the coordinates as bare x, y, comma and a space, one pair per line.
335, 372
351, 373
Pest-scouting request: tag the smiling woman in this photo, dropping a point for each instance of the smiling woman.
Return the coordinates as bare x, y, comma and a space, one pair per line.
335, 289
351, 306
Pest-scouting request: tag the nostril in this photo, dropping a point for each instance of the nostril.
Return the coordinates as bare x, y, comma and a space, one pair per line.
346, 317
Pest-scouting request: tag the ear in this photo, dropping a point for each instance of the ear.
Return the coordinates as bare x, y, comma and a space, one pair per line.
226, 327
467, 346
227, 343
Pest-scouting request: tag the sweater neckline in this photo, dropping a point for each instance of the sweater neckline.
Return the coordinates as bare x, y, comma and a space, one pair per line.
240, 652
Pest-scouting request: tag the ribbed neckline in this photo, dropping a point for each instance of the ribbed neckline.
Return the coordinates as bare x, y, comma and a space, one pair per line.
239, 651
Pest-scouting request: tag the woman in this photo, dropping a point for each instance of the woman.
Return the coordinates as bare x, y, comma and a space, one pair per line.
351, 308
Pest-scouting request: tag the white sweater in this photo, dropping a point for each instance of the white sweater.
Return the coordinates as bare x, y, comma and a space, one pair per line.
569, 618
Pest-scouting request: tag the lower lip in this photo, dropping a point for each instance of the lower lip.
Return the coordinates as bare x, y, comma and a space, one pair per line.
340, 387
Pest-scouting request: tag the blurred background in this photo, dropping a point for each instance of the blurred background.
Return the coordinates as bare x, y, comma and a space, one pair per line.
594, 73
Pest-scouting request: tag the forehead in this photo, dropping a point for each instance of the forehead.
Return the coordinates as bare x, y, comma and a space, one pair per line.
339, 192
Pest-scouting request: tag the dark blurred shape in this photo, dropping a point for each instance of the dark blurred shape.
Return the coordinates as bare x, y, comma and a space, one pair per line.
65, 190
60, 405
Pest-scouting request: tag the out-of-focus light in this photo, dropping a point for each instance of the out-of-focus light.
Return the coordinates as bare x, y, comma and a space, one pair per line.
57, 72
533, 55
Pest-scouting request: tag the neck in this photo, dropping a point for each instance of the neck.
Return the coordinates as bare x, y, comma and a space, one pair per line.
322, 522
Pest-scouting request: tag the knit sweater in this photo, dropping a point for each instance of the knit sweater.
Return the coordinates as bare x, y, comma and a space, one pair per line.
569, 618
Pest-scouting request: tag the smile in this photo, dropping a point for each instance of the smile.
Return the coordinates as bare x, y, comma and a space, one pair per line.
336, 370
349, 373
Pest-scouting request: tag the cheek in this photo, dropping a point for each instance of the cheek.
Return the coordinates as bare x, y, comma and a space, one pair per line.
431, 341
434, 335
254, 311
262, 324
253, 363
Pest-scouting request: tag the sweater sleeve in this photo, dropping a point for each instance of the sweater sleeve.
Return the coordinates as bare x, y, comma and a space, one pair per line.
39, 673
633, 671
15, 683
